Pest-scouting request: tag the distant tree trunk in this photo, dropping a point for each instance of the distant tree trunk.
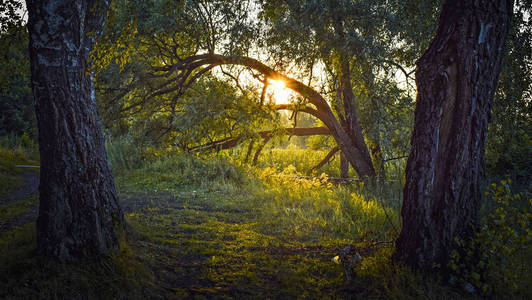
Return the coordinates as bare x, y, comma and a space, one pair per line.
456, 80
344, 166
352, 126
361, 161
378, 160
79, 210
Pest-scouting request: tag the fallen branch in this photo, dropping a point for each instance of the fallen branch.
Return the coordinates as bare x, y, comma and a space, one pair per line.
394, 158
267, 134
326, 159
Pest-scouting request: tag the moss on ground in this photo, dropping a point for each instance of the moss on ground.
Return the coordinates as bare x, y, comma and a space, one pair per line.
198, 252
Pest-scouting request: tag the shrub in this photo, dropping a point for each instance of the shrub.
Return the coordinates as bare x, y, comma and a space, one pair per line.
499, 257
124, 153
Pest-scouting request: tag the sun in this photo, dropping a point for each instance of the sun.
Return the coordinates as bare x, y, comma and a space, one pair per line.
281, 95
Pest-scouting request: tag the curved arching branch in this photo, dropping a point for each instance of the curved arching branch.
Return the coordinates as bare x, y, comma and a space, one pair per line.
326, 159
187, 70
187, 67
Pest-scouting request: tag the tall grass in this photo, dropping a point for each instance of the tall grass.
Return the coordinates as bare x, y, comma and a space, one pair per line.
303, 160
15, 150
23, 147
316, 210
309, 209
123, 153
305, 209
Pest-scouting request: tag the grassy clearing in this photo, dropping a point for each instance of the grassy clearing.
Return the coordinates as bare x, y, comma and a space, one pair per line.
209, 230
222, 232
203, 228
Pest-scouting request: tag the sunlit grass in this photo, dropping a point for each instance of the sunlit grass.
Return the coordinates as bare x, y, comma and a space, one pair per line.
299, 160
205, 228
245, 227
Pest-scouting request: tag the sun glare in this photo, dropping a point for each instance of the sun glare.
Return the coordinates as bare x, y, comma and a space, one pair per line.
281, 95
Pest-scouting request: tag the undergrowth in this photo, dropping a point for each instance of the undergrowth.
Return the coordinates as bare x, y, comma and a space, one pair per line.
210, 229
205, 228
302, 160
14, 151
497, 261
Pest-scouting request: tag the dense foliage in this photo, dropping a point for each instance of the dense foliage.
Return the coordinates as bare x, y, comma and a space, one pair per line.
383, 53
16, 102
508, 149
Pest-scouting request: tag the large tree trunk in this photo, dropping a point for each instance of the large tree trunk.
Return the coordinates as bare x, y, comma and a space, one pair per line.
456, 80
78, 209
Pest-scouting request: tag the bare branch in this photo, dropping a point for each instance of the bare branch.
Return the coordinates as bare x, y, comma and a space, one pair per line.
326, 159
266, 135
394, 158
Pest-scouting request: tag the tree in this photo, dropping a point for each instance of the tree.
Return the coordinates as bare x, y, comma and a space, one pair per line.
17, 114
338, 57
456, 79
79, 211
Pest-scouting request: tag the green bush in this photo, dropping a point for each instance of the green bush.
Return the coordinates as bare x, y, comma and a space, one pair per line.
499, 257
25, 149
124, 153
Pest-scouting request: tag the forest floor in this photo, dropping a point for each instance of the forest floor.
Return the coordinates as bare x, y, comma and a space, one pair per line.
196, 249
198, 244
188, 247
210, 231
20, 203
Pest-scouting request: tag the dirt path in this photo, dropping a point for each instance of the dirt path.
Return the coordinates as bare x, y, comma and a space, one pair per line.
31, 185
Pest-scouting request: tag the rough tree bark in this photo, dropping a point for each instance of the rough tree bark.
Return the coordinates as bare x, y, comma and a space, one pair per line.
456, 80
344, 167
79, 210
231, 142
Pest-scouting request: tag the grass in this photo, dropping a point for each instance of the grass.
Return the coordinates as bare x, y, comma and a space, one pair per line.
14, 151
301, 160
14, 209
204, 228
218, 231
